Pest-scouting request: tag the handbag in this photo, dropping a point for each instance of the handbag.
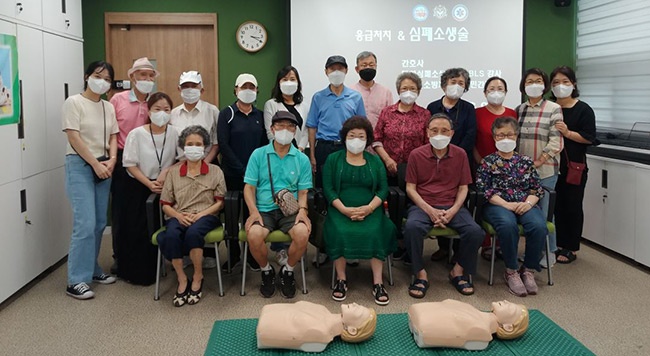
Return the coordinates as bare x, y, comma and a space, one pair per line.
574, 172
284, 198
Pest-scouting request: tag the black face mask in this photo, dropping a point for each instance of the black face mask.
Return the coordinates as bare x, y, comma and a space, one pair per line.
368, 74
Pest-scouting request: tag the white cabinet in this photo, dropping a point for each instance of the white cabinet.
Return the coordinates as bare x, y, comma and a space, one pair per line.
13, 226
642, 246
63, 65
617, 206
63, 16
30, 66
23, 10
59, 216
9, 142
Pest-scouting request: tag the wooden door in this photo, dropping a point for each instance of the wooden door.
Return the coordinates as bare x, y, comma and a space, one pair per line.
174, 42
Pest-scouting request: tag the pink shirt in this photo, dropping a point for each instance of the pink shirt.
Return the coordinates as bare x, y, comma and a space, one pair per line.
130, 113
375, 99
437, 180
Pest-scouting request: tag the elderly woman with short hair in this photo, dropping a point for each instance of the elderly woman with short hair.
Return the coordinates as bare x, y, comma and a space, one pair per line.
401, 127
191, 197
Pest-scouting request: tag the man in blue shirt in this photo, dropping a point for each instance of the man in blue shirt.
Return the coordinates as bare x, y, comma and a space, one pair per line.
271, 169
329, 108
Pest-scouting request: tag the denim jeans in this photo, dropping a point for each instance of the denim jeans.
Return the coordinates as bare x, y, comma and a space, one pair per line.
549, 183
505, 223
89, 201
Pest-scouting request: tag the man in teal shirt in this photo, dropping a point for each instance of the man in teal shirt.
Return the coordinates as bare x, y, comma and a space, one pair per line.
279, 163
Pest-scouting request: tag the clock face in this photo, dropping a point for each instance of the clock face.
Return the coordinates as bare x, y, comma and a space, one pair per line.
251, 36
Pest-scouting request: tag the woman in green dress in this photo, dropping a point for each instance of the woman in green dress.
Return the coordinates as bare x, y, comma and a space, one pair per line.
354, 183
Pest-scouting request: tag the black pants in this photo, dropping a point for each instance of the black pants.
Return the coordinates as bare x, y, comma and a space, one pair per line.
235, 183
569, 216
322, 151
119, 191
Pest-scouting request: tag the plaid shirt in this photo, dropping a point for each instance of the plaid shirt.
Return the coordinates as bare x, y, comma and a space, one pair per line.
538, 134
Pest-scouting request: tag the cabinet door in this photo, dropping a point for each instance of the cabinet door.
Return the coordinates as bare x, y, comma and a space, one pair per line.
22, 10
9, 142
594, 202
11, 239
59, 216
642, 243
37, 230
619, 210
30, 60
63, 16
63, 74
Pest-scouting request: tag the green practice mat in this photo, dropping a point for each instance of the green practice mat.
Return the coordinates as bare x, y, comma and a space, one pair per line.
544, 337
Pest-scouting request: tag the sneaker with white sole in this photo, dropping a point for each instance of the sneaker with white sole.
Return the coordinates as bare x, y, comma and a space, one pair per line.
515, 284
528, 279
104, 279
543, 263
79, 291
282, 257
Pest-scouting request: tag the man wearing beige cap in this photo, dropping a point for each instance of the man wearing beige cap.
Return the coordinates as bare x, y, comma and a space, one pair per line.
194, 111
240, 130
131, 111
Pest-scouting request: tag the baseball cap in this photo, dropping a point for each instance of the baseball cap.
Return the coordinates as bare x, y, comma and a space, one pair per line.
142, 64
284, 115
334, 60
191, 76
245, 78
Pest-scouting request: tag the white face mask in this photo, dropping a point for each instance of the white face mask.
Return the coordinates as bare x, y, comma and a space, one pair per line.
159, 118
355, 145
408, 97
191, 95
439, 142
98, 86
193, 153
562, 91
454, 91
336, 78
283, 137
144, 86
496, 97
247, 96
506, 145
289, 87
534, 90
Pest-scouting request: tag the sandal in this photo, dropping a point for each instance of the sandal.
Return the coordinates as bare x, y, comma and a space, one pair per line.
413, 288
568, 254
461, 283
195, 296
180, 299
340, 288
378, 291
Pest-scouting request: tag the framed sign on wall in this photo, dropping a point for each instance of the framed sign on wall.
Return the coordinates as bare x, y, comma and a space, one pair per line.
9, 83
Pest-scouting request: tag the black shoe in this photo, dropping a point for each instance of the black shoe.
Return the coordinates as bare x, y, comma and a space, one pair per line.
287, 283
79, 291
267, 289
233, 262
399, 254
407, 260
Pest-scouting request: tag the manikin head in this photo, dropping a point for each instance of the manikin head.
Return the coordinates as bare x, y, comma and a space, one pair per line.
359, 323
512, 319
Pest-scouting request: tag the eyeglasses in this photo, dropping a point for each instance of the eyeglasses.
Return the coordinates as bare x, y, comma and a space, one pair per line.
500, 137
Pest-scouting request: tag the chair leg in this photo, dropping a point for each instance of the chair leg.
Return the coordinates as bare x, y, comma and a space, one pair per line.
494, 247
243, 270
302, 270
216, 253
450, 253
390, 270
333, 275
156, 295
548, 261
229, 267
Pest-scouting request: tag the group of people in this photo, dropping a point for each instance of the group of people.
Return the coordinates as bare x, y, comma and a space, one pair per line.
352, 141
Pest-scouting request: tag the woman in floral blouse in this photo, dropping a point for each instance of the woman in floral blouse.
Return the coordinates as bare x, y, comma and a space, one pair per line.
512, 189
401, 127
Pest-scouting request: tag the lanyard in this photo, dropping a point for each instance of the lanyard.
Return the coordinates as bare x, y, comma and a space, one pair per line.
162, 150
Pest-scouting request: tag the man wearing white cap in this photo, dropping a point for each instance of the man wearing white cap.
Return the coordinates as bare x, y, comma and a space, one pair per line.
194, 111
240, 130
131, 111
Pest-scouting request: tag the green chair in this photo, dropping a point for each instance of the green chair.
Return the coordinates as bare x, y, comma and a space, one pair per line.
490, 230
274, 236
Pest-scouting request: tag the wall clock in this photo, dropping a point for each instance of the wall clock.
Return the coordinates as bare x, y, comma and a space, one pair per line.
251, 36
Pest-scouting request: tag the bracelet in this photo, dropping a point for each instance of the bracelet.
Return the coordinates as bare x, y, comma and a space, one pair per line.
371, 208
304, 207
529, 203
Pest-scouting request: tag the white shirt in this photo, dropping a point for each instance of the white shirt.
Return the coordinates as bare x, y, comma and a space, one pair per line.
272, 106
204, 114
139, 150
86, 116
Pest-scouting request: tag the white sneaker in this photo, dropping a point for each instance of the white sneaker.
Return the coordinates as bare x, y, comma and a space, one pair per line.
209, 262
542, 262
282, 257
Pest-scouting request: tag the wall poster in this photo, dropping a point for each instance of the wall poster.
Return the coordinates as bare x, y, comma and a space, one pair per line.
9, 84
